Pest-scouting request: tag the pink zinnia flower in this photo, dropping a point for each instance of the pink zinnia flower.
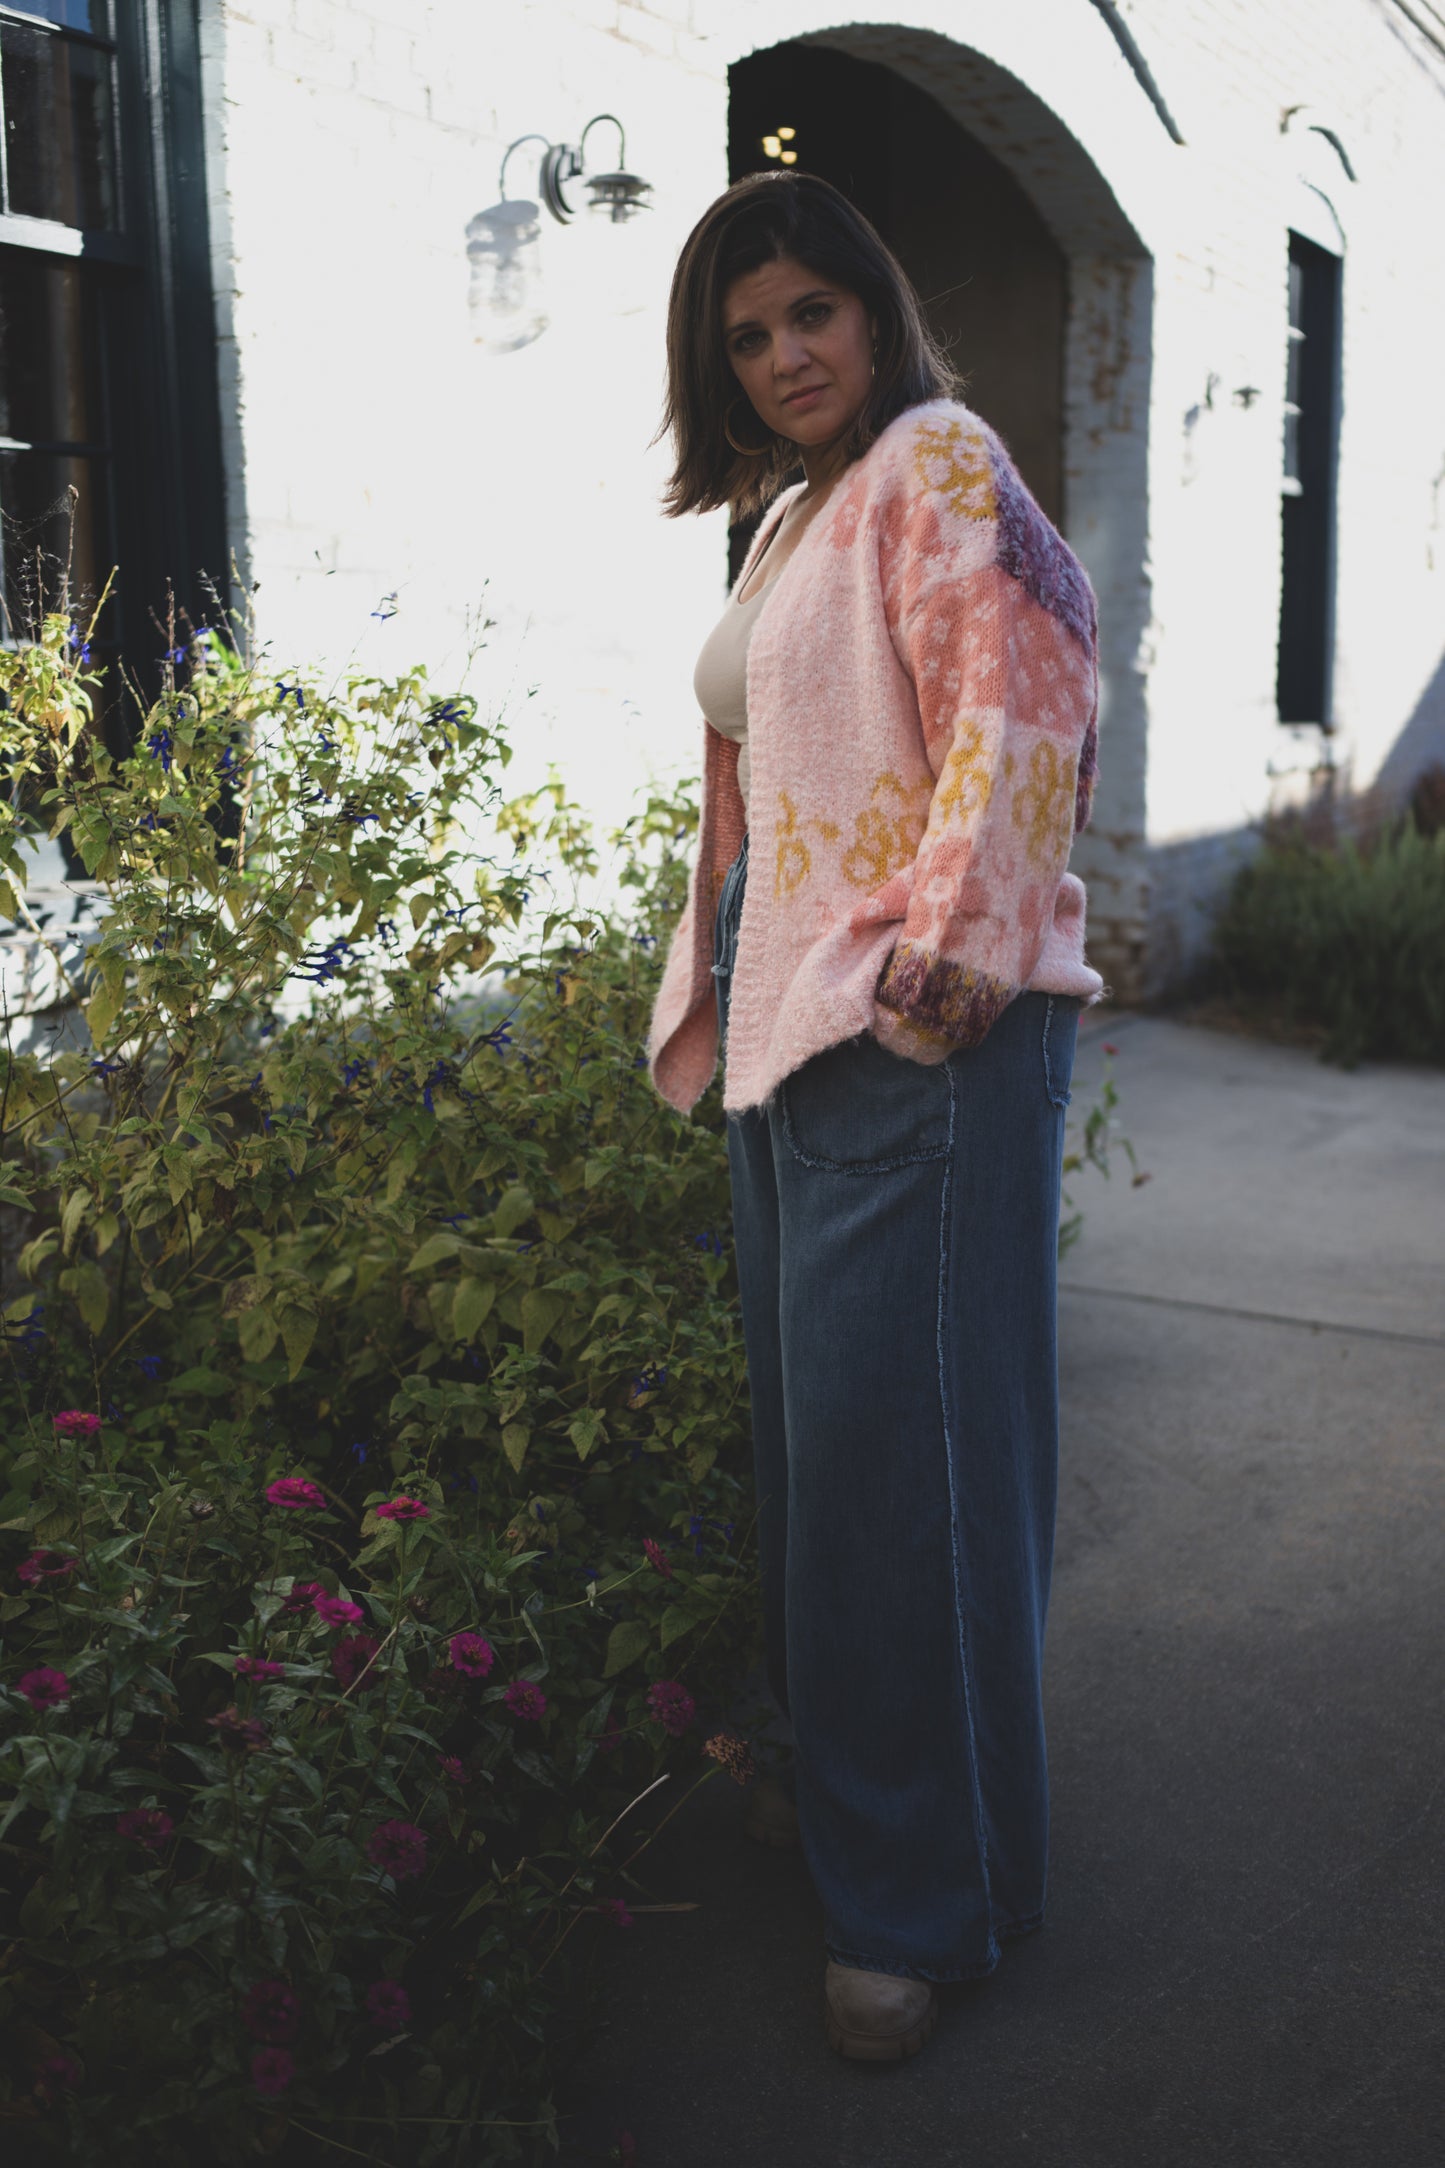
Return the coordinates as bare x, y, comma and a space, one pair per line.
350, 1658
56, 2074
239, 1731
453, 1769
258, 1667
657, 1557
403, 1509
44, 1688
303, 1595
76, 1423
1109, 1047
672, 1706
297, 1493
336, 1610
472, 1654
388, 2005
149, 1826
399, 1849
271, 2012
44, 1566
614, 1909
526, 1700
272, 2070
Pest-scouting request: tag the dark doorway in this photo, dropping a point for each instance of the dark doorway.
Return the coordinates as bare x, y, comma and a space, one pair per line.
1307, 485
992, 278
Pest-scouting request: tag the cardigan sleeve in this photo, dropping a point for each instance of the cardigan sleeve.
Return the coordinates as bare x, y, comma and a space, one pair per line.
994, 621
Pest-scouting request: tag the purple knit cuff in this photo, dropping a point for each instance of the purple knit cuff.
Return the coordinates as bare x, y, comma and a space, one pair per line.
949, 1000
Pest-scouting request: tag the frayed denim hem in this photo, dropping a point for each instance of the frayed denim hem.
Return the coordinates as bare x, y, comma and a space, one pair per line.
1004, 1931
859, 1963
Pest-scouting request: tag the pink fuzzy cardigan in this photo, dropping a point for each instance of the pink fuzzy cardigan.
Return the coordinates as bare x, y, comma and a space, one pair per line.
922, 698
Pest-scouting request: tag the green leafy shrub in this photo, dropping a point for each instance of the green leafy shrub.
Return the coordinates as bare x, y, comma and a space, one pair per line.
317, 1198
354, 1180
1346, 938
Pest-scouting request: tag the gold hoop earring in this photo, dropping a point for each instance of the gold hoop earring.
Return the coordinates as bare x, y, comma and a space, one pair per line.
745, 451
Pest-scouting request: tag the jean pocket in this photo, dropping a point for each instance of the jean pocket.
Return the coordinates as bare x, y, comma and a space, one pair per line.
855, 1109
1060, 1036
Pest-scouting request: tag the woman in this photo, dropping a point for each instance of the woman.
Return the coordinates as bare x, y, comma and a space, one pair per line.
881, 934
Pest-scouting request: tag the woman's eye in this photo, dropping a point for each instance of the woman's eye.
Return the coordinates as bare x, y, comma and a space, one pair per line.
817, 312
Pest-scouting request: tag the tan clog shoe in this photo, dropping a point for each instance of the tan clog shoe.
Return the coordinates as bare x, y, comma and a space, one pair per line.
770, 1816
876, 2017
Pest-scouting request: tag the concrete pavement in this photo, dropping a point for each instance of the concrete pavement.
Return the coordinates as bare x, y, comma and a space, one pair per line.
1242, 1960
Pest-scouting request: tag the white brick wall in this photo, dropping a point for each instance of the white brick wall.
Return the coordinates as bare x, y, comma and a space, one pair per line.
371, 447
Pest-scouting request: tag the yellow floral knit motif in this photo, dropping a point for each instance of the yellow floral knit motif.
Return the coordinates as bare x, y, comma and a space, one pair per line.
966, 784
886, 839
955, 463
795, 860
1045, 804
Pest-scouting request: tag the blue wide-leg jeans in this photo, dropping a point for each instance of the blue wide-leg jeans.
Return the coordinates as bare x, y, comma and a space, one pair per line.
896, 1231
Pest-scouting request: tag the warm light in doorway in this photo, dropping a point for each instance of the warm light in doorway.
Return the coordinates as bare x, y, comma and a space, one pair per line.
773, 146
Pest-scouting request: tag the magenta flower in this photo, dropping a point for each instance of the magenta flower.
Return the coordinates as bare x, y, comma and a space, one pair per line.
336, 1611
350, 1658
148, 1826
258, 1668
526, 1700
612, 1908
611, 1735
453, 1769
238, 1732
399, 1849
271, 2012
76, 1423
302, 1597
388, 2005
297, 1493
472, 1654
56, 2074
44, 1566
45, 1689
671, 1705
657, 1557
403, 1509
272, 2070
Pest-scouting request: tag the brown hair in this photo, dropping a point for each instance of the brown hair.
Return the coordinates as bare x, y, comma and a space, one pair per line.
760, 218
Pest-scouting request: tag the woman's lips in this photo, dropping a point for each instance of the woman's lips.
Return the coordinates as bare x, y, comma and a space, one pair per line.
801, 401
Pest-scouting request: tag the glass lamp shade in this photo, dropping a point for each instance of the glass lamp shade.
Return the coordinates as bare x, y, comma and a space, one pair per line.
504, 290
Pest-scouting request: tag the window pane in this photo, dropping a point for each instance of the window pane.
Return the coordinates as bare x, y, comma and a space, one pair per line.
1292, 369
51, 518
70, 14
59, 127
49, 350
1291, 446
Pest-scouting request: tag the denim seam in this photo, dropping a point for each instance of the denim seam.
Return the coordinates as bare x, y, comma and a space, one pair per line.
1054, 1096
859, 1166
959, 1605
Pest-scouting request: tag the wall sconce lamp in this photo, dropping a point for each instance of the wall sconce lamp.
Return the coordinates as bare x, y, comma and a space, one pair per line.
621, 193
503, 251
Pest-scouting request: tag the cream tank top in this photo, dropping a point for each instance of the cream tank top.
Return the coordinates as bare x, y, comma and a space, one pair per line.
720, 680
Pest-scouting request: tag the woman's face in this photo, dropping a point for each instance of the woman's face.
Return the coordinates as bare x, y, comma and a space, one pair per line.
801, 348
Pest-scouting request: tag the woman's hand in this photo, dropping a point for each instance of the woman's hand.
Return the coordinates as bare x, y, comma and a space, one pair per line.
910, 1042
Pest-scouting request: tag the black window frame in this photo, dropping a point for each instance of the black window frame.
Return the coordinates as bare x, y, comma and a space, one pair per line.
150, 281
1309, 485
